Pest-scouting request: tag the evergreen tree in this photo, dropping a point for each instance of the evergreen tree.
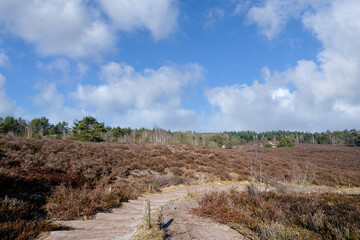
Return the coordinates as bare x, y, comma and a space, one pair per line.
286, 142
88, 129
40, 126
10, 124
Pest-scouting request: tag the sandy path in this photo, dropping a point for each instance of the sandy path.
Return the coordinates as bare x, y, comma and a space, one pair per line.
122, 223
181, 224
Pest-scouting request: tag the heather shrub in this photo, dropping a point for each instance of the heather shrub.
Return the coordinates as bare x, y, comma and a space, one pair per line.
22, 219
74, 179
24, 230
156, 182
12, 209
69, 203
274, 231
271, 215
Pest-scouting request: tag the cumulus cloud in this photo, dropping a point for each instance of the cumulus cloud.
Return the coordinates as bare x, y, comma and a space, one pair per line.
313, 95
337, 73
272, 16
7, 106
142, 99
49, 97
51, 103
78, 29
59, 64
66, 27
255, 107
157, 16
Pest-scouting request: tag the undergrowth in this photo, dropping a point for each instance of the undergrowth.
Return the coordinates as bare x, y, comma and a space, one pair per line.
271, 215
48, 179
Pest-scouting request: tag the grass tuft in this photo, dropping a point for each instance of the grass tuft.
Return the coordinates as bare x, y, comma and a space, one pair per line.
155, 232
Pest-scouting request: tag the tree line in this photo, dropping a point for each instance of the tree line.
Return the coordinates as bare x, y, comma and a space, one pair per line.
89, 129
349, 137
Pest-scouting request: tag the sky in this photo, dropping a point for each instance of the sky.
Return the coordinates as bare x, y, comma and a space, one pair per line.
190, 65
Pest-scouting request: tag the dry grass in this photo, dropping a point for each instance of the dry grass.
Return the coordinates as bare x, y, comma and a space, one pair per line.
68, 179
155, 232
270, 215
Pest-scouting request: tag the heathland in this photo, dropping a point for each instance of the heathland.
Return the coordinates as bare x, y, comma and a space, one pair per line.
63, 179
49, 172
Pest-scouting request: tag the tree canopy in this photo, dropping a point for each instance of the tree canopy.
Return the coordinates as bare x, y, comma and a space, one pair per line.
88, 129
9, 124
286, 142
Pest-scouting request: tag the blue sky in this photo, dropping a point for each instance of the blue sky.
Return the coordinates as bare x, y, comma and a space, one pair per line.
183, 65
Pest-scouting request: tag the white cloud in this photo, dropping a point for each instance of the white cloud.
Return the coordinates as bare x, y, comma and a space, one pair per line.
272, 16
350, 110
283, 98
49, 97
4, 59
64, 27
256, 107
142, 99
59, 64
242, 6
82, 69
7, 106
64, 67
323, 94
337, 75
213, 16
157, 16
79, 29
51, 103
167, 116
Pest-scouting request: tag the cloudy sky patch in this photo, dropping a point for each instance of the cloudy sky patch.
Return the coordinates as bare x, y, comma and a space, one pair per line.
183, 65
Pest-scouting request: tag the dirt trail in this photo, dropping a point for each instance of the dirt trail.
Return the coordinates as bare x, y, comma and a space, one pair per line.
181, 224
122, 223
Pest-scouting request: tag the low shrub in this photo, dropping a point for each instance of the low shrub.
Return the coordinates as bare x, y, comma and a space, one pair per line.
22, 219
286, 142
12, 209
274, 231
39, 173
156, 182
218, 139
23, 230
68, 203
228, 145
268, 145
37, 136
271, 215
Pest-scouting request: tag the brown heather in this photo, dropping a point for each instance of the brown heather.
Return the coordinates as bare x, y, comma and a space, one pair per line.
49, 179
270, 215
